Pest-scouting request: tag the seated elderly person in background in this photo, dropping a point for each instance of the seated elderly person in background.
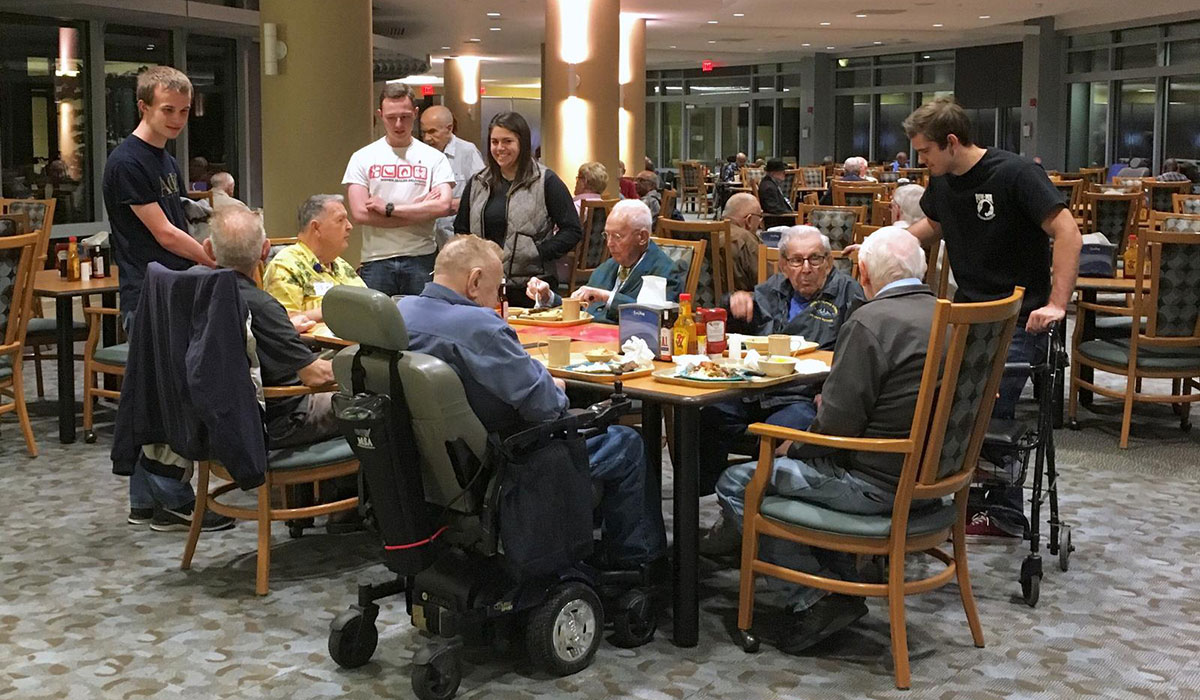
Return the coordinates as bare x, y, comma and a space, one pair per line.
222, 185
1171, 172
808, 296
855, 170
453, 320
745, 216
239, 243
871, 391
906, 205
770, 189
300, 274
590, 183
647, 190
627, 187
618, 280
901, 161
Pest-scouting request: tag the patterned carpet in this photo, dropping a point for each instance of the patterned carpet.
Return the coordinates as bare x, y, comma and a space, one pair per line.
91, 607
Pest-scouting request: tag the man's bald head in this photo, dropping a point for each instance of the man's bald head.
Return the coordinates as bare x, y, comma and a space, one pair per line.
437, 126
471, 266
645, 181
741, 204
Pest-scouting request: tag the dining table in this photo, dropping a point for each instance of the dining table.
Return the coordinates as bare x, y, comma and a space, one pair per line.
654, 395
49, 283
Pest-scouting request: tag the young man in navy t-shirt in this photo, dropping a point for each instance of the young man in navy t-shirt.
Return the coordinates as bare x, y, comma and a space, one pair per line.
999, 215
142, 188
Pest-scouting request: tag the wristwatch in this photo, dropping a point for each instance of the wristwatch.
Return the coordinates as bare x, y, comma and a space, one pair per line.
387, 211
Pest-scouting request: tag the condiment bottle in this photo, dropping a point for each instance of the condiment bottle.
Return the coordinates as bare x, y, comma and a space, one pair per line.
664, 337
714, 321
1130, 257
683, 333
98, 262
72, 260
701, 333
502, 300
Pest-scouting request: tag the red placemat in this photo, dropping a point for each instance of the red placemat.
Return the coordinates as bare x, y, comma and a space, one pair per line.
592, 332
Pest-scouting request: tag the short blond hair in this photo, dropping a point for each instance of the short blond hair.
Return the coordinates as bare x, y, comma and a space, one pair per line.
595, 176
464, 252
165, 77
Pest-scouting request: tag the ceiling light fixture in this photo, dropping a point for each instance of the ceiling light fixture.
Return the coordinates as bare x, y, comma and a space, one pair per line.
739, 14
985, 16
806, 44
712, 41
672, 46
494, 29
826, 24
474, 40
445, 48
830, 48
878, 43
861, 16
939, 25
493, 14
712, 21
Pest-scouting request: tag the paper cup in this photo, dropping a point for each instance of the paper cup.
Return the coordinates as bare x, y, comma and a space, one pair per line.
570, 309
559, 350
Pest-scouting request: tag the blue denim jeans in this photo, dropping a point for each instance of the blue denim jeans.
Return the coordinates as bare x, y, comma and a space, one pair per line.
820, 482
724, 424
147, 489
1025, 348
632, 527
399, 275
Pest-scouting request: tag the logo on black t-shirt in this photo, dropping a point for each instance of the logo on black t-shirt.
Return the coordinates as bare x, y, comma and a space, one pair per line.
168, 185
985, 207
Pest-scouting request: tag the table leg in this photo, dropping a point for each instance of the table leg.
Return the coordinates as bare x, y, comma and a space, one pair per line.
66, 370
652, 438
1086, 373
686, 605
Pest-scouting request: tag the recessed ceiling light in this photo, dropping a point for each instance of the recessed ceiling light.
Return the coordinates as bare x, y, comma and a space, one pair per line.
830, 48
926, 56
712, 21
860, 16
494, 29
672, 46
493, 14
712, 41
445, 48
878, 43
474, 40
806, 44
826, 24
739, 14
939, 25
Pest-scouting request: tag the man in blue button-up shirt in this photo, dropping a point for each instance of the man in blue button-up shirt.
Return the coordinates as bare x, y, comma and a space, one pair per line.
453, 320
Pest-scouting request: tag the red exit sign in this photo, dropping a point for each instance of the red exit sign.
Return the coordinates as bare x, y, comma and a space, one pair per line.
426, 90
706, 65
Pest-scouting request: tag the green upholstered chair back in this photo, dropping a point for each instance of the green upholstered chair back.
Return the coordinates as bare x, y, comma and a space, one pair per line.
688, 257
441, 417
1180, 223
1176, 263
716, 265
593, 215
1114, 215
17, 254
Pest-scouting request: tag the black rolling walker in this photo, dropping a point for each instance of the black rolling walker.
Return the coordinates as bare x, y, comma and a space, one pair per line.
1023, 440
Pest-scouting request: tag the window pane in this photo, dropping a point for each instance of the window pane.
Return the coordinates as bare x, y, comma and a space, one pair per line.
983, 126
1135, 121
852, 130
896, 75
889, 134
213, 124
702, 133
854, 78
1183, 52
1183, 118
1087, 61
672, 134
764, 129
1088, 125
936, 73
789, 129
1137, 56
1139, 34
651, 139
44, 139
1098, 39
128, 51
735, 128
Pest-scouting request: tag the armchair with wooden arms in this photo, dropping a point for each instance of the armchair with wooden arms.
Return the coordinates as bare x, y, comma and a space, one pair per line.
18, 255
1185, 203
688, 256
837, 223
1072, 190
917, 176
102, 361
967, 348
1165, 346
1160, 195
693, 189
1114, 215
591, 250
716, 267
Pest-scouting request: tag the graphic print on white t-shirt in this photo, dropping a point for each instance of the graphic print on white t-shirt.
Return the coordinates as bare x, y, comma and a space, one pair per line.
399, 175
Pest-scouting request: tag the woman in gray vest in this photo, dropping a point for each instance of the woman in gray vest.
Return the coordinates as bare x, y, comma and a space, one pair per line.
521, 205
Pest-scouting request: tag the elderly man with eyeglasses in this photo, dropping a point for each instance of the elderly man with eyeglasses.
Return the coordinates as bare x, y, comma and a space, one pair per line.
618, 280
807, 297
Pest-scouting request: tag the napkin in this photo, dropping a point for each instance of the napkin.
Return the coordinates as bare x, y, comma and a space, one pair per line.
811, 366
750, 361
635, 350
654, 290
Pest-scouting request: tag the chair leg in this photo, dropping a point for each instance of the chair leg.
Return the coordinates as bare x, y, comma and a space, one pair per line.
89, 383
37, 371
1127, 413
198, 510
746, 584
896, 619
264, 538
959, 537
22, 412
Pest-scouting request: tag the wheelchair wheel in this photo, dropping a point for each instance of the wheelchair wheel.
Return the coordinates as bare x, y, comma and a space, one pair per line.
352, 639
1031, 590
438, 679
563, 633
1064, 547
635, 620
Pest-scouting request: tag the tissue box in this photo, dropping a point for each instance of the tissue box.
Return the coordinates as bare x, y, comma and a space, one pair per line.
1098, 260
644, 321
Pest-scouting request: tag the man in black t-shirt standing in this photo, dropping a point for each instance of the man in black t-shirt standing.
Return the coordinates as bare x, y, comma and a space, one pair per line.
142, 187
998, 213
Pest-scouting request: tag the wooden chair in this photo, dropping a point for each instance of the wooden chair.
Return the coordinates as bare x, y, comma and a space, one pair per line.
694, 188
1114, 215
751, 177
881, 213
937, 269
917, 176
102, 361
41, 335
967, 348
669, 197
1072, 190
1185, 203
1174, 223
197, 195
856, 194
808, 180
18, 258
688, 256
887, 176
716, 268
1167, 346
1159, 195
837, 223
768, 260
1093, 176
305, 464
591, 250
277, 244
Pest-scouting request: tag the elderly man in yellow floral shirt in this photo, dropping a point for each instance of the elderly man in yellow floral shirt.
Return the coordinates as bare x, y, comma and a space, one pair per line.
300, 274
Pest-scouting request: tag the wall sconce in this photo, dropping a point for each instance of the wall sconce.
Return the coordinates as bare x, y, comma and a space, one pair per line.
468, 70
273, 50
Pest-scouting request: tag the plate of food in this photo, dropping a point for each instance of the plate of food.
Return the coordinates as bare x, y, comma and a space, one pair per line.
545, 317
711, 372
605, 371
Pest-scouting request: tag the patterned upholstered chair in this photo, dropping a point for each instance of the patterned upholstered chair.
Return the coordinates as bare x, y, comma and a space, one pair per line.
716, 267
1186, 203
18, 257
838, 224
693, 189
1167, 347
688, 257
752, 176
857, 194
1072, 191
1177, 223
1159, 194
1114, 215
886, 176
591, 250
967, 348
917, 176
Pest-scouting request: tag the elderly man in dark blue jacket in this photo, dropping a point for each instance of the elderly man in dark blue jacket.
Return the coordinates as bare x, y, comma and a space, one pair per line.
618, 280
453, 320
808, 297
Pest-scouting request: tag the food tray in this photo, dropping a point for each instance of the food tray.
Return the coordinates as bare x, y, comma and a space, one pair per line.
667, 375
578, 358
515, 319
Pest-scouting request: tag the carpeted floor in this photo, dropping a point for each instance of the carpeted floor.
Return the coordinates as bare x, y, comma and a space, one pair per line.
91, 607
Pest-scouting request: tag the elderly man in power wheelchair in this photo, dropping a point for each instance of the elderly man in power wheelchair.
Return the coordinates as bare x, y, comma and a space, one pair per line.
498, 518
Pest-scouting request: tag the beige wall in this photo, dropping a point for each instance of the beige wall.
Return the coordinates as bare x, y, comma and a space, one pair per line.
467, 115
318, 110
633, 98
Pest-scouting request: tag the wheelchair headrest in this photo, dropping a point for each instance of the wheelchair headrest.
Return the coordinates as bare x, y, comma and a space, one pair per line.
365, 316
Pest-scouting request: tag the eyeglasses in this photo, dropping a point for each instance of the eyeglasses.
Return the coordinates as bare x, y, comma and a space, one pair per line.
618, 237
814, 261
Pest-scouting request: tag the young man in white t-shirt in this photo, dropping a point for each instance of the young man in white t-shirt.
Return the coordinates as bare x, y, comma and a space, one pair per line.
396, 187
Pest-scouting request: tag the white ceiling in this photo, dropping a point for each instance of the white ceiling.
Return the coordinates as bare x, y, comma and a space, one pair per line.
678, 34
